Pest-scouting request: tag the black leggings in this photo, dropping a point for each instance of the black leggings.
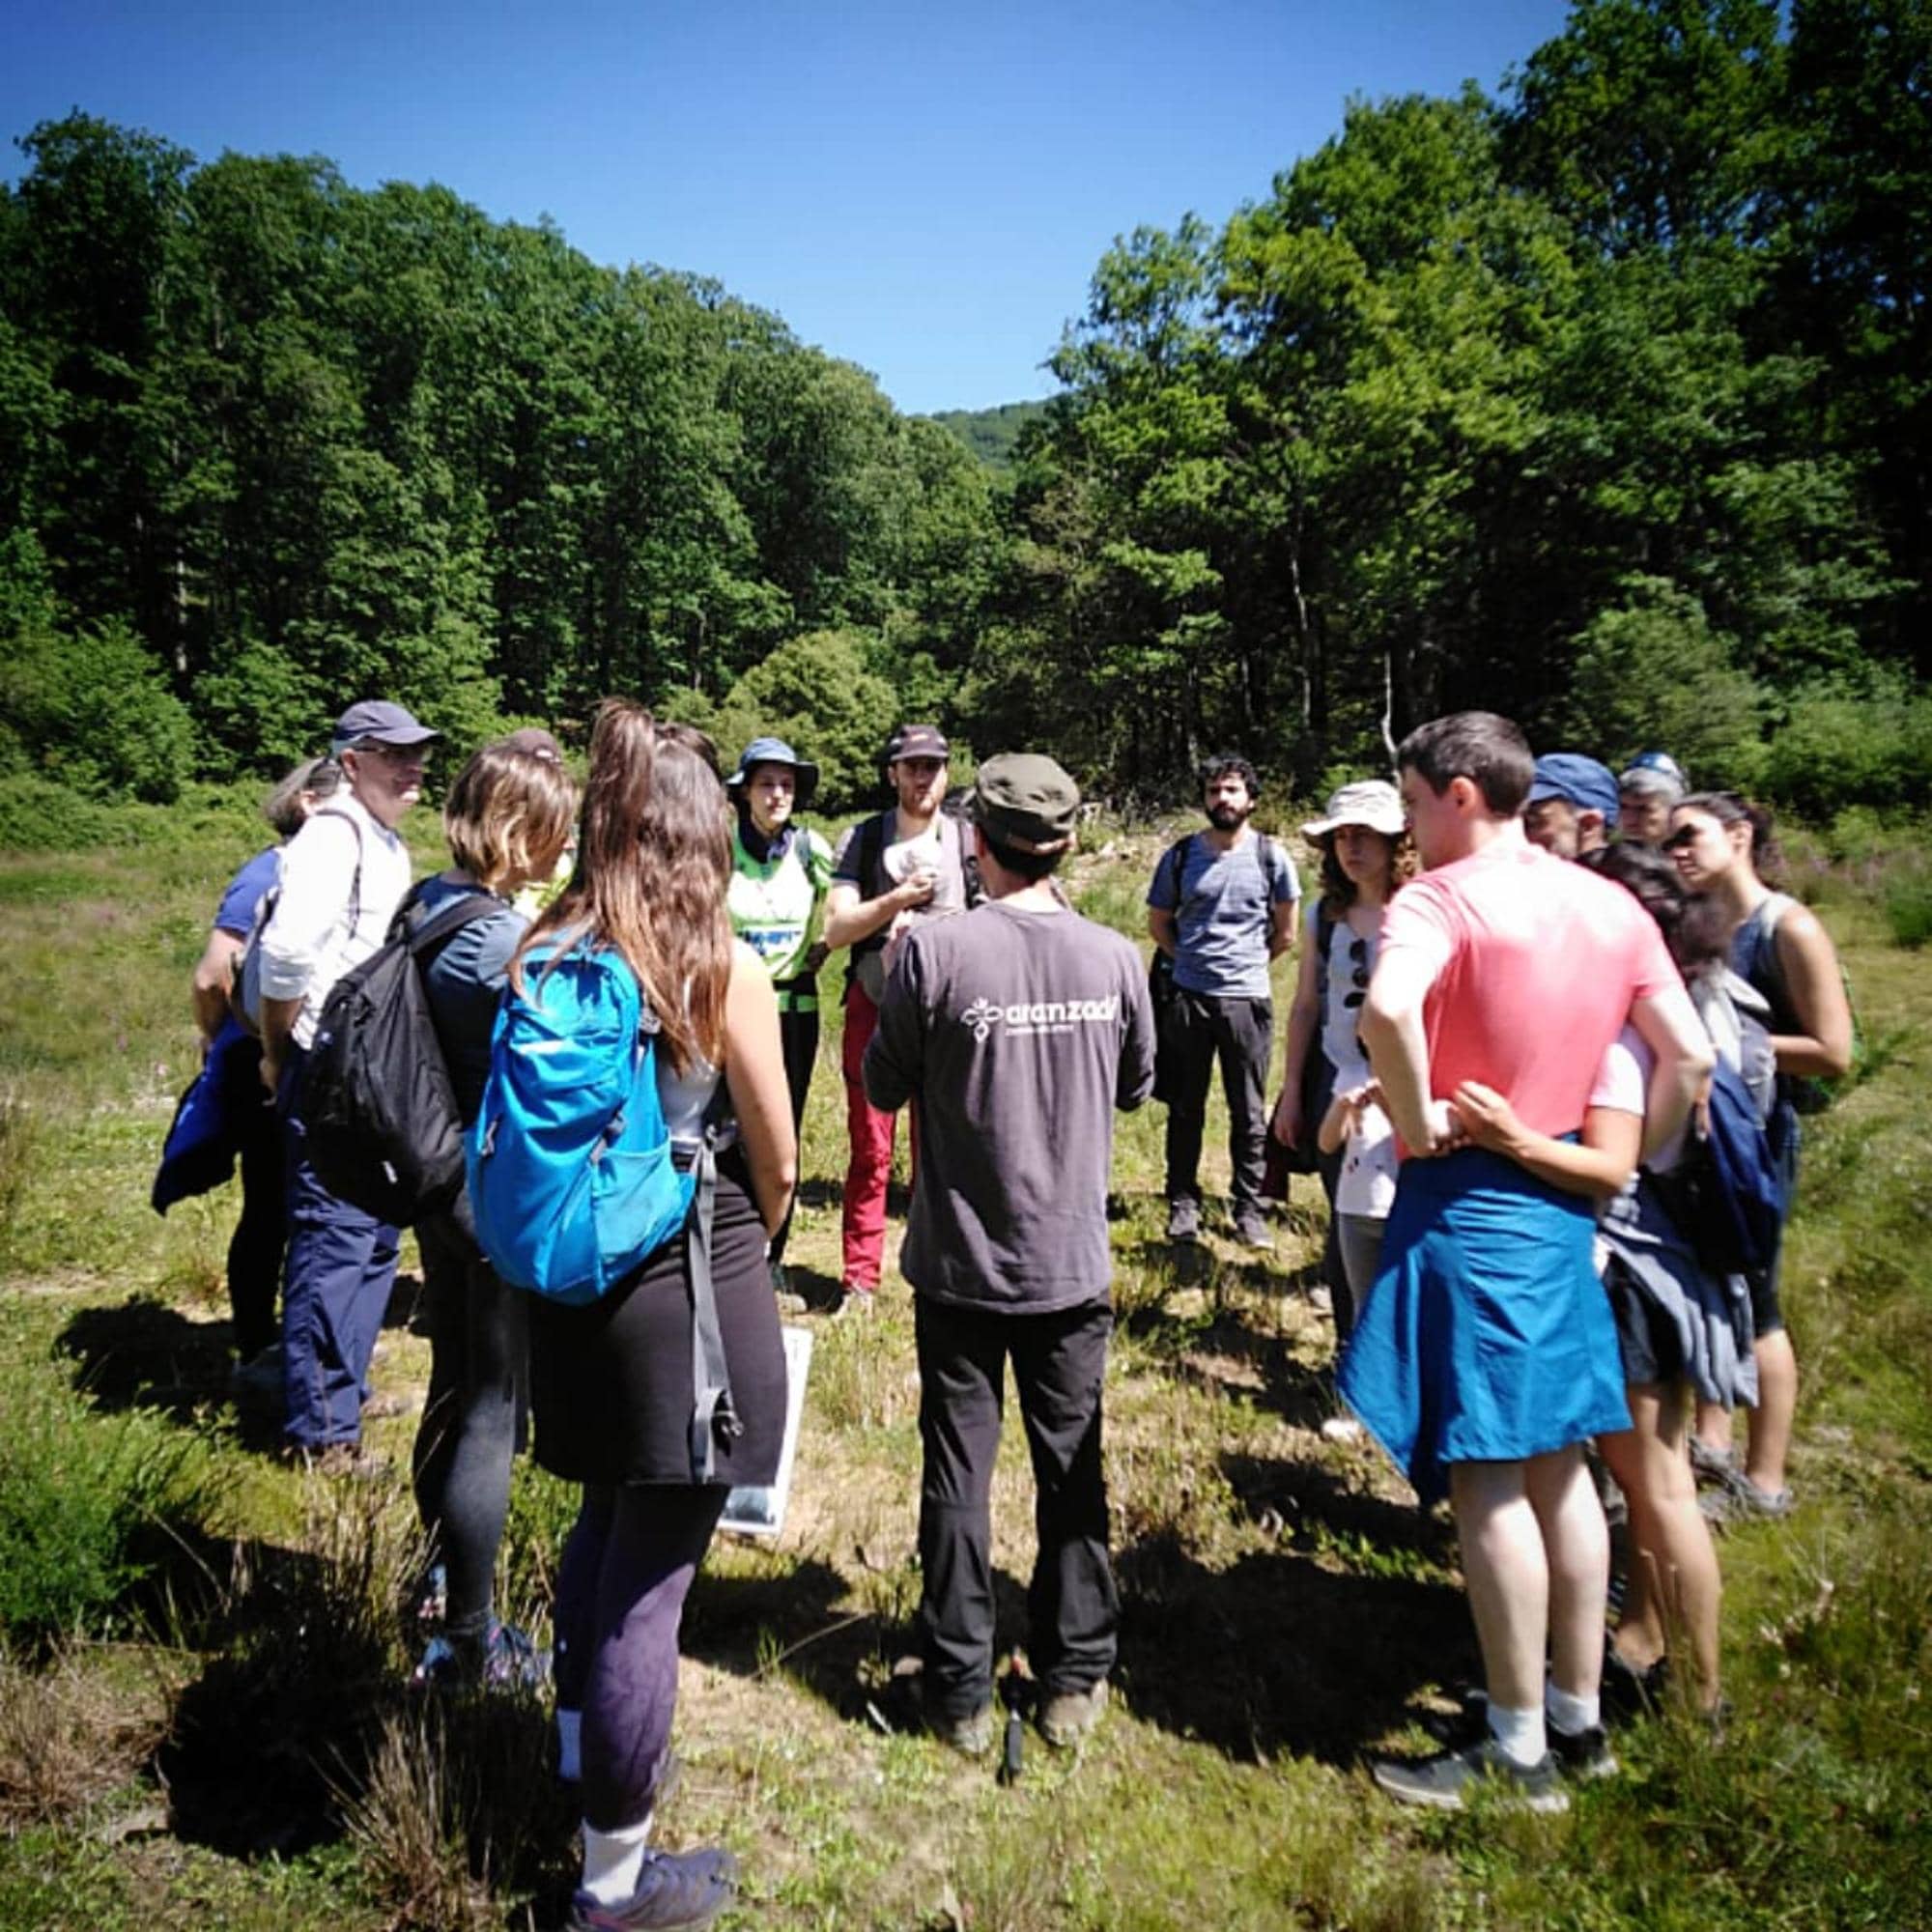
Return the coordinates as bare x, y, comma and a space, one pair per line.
797, 1041
474, 1417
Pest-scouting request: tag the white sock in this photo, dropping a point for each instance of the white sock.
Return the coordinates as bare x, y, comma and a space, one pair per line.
569, 1744
614, 1861
1570, 1714
1520, 1733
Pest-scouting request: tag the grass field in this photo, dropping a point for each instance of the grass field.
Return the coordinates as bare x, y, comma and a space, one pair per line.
203, 1717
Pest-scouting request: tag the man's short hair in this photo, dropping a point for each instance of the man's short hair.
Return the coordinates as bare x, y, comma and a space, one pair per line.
1031, 866
1490, 752
1222, 764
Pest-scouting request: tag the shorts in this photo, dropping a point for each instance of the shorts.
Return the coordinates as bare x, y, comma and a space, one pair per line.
1648, 1337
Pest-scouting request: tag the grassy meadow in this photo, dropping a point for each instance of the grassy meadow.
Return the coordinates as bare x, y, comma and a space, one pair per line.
204, 1719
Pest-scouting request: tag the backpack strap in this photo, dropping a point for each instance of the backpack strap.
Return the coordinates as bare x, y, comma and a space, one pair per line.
433, 928
355, 825
712, 1414
1175, 857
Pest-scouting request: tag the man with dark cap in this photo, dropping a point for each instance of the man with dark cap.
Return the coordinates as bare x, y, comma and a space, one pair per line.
1572, 804
781, 873
891, 872
1015, 1031
342, 877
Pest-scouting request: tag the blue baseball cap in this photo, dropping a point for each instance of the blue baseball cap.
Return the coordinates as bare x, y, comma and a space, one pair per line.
380, 720
1579, 781
776, 752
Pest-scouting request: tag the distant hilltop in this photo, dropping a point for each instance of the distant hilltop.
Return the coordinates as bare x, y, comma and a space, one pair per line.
991, 433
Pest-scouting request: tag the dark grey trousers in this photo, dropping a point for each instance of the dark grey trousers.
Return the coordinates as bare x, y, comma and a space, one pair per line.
1239, 1034
1072, 1608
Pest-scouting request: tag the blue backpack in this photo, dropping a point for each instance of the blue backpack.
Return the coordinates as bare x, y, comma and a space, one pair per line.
571, 1177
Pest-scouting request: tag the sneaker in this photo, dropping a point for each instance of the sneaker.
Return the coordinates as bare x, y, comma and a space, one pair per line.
1067, 1716
1342, 1429
675, 1890
1709, 1464
788, 1300
1252, 1230
1752, 1501
1582, 1755
1447, 1781
853, 1300
1183, 1220
509, 1662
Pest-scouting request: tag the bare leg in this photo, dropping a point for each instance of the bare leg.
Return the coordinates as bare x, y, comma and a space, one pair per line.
1508, 1576
1576, 1543
1713, 1426
1776, 1410
1671, 1538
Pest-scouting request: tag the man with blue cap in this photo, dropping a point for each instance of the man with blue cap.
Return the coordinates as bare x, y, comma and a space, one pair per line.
342, 877
780, 873
1572, 804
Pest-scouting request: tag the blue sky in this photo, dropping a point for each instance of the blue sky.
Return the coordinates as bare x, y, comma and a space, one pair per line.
922, 189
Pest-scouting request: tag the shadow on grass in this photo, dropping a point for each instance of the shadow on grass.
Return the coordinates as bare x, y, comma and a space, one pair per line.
146, 1355
1278, 1653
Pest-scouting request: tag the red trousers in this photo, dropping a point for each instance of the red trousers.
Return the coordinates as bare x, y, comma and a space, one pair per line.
862, 1223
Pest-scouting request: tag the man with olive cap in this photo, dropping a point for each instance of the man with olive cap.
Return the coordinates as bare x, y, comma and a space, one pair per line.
1015, 1031
780, 873
342, 877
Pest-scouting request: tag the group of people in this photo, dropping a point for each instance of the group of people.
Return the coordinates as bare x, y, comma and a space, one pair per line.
1498, 1040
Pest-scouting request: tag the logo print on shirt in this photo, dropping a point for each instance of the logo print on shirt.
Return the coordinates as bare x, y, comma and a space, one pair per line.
1039, 1016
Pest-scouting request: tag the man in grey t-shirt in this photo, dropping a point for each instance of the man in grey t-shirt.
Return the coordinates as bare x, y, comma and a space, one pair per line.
1221, 905
1015, 1031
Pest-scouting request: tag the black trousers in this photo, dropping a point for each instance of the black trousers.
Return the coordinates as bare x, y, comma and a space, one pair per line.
1239, 1034
1072, 1608
798, 1043
261, 1231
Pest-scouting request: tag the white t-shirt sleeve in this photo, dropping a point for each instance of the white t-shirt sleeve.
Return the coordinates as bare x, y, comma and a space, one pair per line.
1624, 1076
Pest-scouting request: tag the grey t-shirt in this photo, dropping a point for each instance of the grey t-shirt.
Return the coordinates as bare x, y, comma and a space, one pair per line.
1224, 912
1015, 1034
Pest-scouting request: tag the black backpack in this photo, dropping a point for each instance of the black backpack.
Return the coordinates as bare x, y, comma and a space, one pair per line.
377, 1108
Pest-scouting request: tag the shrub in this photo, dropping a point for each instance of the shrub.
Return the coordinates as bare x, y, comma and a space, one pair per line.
1907, 908
89, 1505
1652, 672
93, 712
1845, 744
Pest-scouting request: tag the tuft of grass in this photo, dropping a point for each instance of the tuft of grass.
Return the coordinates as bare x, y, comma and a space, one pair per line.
1907, 908
91, 1506
71, 1734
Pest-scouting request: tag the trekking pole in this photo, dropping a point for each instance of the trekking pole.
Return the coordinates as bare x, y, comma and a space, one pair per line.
1015, 1689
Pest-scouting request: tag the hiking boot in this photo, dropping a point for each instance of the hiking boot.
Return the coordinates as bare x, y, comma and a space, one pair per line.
1252, 1230
1447, 1781
507, 1661
675, 1890
1067, 1716
348, 1461
1184, 1221
1752, 1501
1582, 1755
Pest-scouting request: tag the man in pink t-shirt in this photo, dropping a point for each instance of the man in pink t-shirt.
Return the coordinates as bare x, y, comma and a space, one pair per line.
1486, 1355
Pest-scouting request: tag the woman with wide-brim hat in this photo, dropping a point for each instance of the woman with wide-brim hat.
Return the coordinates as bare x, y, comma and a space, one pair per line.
781, 873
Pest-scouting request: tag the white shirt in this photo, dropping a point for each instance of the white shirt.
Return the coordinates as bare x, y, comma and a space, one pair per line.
1366, 1184
309, 942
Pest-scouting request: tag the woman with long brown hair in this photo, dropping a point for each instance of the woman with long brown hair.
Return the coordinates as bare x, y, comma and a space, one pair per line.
611, 1382
1723, 845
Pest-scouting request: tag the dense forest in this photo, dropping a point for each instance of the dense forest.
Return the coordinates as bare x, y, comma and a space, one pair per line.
1606, 402
992, 435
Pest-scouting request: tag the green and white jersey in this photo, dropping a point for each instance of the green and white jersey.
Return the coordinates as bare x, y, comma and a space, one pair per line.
776, 904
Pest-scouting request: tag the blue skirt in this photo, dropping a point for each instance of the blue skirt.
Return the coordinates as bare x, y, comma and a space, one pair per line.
1486, 1337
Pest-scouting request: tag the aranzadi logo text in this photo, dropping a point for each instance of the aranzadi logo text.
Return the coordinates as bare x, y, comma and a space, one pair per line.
1040, 1016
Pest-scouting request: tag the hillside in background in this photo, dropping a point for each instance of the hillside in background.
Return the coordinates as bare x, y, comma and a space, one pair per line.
990, 434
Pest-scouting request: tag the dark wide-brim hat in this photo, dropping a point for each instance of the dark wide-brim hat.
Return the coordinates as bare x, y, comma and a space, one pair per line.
1025, 802
776, 752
